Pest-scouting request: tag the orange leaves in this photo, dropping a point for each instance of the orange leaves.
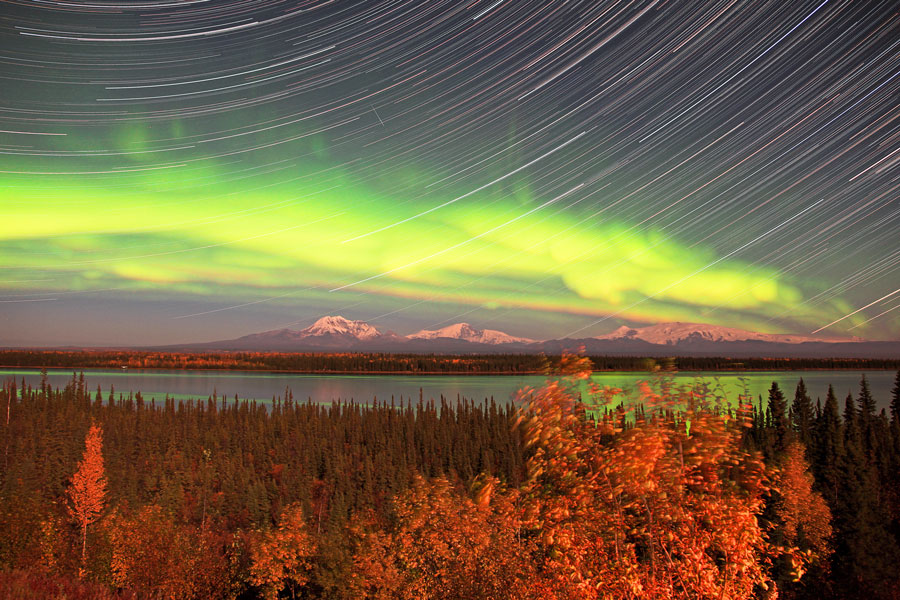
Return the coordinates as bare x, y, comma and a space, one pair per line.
446, 545
484, 490
282, 558
376, 574
575, 366
651, 511
805, 517
87, 491
155, 556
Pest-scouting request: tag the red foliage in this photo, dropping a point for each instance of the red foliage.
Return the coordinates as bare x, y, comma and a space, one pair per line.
654, 510
157, 557
282, 558
447, 545
657, 510
87, 492
30, 585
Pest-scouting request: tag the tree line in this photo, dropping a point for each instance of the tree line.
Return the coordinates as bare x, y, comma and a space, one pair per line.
359, 362
574, 495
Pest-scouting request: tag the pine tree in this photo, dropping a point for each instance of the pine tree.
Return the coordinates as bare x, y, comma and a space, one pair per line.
866, 401
88, 490
829, 449
895, 429
778, 419
895, 400
852, 441
867, 416
866, 553
802, 414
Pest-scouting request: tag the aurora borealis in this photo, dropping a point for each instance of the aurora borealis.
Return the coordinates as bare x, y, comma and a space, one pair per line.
197, 170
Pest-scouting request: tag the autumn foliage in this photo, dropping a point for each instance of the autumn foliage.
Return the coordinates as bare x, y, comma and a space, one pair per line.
446, 544
154, 555
657, 510
666, 508
88, 487
803, 517
573, 495
282, 557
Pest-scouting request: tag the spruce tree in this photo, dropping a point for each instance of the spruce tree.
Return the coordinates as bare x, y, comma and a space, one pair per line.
852, 441
802, 414
867, 417
829, 449
895, 401
866, 553
778, 419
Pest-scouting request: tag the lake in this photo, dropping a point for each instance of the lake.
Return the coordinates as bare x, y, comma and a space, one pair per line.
263, 385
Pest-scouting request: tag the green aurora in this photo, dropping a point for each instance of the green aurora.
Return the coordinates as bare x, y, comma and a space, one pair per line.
287, 246
196, 171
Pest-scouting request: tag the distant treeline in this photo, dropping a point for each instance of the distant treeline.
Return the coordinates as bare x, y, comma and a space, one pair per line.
702, 363
407, 363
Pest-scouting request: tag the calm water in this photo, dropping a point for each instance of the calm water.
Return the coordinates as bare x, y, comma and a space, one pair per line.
261, 385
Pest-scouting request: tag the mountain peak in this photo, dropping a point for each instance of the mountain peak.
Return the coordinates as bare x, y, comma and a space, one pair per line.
464, 331
459, 329
338, 325
675, 332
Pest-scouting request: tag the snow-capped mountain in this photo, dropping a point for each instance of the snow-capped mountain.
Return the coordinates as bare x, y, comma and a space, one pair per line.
675, 333
339, 326
337, 334
331, 332
464, 331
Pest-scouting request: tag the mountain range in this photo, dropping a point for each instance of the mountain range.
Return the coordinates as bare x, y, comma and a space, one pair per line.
336, 333
464, 331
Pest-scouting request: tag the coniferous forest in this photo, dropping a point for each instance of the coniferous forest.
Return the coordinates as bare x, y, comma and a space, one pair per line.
363, 362
570, 495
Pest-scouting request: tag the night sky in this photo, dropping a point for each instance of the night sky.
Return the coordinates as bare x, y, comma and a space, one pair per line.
175, 171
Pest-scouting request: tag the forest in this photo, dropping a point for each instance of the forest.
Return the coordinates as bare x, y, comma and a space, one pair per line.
360, 362
572, 494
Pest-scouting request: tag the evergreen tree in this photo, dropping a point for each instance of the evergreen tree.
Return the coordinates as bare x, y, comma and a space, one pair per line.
867, 417
866, 401
895, 400
778, 420
829, 449
802, 414
852, 437
895, 444
866, 553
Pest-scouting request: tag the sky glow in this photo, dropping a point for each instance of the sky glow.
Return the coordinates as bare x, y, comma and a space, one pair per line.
176, 172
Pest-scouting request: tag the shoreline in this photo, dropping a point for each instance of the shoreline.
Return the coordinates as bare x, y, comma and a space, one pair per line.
438, 373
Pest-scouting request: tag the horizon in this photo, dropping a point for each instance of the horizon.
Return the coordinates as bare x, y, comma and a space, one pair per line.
476, 327
686, 329
545, 171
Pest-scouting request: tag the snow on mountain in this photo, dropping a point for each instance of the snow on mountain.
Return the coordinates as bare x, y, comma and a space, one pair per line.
673, 333
464, 331
337, 334
339, 326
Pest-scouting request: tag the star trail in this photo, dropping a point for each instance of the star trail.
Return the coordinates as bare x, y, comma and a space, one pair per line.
198, 170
